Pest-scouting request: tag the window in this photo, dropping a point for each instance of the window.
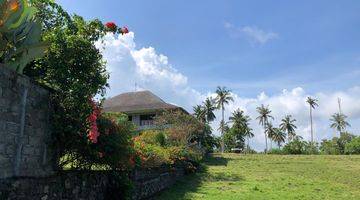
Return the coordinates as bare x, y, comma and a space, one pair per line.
146, 120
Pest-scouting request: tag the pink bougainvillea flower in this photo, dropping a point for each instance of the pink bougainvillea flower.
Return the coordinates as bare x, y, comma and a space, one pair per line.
93, 132
124, 30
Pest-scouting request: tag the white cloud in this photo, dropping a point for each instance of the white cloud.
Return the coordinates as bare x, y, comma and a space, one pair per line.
128, 65
252, 33
147, 69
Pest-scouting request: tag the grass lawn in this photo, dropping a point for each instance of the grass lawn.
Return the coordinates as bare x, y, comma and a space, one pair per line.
232, 176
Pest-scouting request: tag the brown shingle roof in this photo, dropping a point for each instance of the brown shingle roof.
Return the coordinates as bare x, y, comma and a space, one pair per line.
137, 102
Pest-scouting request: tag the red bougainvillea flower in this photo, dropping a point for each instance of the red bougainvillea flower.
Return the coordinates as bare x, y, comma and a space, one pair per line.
93, 132
124, 30
111, 26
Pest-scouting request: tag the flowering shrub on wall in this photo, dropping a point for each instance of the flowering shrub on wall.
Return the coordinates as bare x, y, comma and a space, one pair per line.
74, 68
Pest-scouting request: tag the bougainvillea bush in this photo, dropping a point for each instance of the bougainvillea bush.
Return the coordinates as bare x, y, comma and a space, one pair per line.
74, 68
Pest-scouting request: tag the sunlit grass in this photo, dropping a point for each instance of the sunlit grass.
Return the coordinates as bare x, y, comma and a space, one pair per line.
232, 176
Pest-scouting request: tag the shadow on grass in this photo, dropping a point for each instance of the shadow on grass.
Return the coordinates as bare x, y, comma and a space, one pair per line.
216, 160
191, 183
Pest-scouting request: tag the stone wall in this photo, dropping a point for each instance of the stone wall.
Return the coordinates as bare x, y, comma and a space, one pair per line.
24, 126
88, 185
147, 183
26, 170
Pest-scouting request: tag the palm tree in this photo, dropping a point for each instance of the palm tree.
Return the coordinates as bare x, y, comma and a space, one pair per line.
223, 126
264, 116
199, 113
209, 108
270, 133
237, 118
287, 125
312, 104
223, 97
241, 122
249, 134
278, 136
339, 122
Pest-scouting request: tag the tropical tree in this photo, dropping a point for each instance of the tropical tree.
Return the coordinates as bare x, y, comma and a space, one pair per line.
241, 125
209, 108
223, 97
312, 104
223, 126
270, 132
248, 134
264, 116
287, 125
199, 113
339, 122
278, 136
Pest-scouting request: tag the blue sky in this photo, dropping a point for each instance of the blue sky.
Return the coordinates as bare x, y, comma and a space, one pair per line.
267, 52
317, 43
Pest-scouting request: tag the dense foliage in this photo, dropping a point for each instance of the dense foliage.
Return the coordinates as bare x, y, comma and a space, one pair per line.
154, 149
73, 67
353, 147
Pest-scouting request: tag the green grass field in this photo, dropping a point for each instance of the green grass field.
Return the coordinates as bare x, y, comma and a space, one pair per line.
232, 176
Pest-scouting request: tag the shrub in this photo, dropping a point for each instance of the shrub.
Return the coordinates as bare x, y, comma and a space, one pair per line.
153, 137
294, 147
111, 151
184, 129
353, 147
330, 147
275, 151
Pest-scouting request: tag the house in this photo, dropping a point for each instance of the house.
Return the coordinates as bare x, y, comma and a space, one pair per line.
141, 107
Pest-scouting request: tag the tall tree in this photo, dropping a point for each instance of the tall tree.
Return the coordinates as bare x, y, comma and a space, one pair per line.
270, 132
312, 104
241, 124
264, 116
199, 113
339, 122
287, 125
278, 136
223, 97
209, 108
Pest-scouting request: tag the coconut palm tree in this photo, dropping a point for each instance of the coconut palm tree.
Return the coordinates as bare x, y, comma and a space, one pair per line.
270, 133
264, 116
248, 134
223, 97
278, 136
241, 122
287, 125
339, 122
209, 108
223, 126
312, 104
199, 113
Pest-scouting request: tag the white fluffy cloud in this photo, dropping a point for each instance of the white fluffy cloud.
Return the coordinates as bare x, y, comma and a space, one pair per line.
252, 33
128, 65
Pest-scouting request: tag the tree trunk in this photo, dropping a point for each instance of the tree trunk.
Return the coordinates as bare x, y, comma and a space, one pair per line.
266, 145
248, 146
222, 131
311, 126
